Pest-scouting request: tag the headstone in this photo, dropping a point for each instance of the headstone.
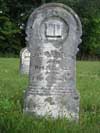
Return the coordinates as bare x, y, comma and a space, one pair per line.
24, 61
53, 34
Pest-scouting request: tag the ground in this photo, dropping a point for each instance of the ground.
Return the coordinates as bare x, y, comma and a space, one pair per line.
12, 88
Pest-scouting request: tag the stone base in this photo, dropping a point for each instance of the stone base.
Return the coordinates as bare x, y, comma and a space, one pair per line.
64, 105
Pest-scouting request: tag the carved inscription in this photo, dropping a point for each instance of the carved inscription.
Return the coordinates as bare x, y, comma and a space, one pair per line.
51, 70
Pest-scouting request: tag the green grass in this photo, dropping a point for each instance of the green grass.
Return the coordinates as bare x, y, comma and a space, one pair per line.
12, 87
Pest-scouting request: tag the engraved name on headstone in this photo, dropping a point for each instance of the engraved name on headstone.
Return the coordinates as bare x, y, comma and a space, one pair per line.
53, 35
24, 61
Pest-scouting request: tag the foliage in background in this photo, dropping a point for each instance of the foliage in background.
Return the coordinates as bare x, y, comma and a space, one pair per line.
89, 11
14, 14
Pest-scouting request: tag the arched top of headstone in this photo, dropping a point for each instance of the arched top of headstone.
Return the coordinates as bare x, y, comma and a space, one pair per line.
24, 51
56, 10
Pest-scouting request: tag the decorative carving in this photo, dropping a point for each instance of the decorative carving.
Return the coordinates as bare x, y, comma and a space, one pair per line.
53, 30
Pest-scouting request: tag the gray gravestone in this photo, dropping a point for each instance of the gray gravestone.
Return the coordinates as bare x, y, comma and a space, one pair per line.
53, 34
24, 61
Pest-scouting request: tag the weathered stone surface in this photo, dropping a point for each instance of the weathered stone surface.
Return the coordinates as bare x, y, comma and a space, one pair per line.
53, 35
24, 61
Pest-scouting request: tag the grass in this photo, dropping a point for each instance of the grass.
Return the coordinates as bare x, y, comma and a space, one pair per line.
13, 85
